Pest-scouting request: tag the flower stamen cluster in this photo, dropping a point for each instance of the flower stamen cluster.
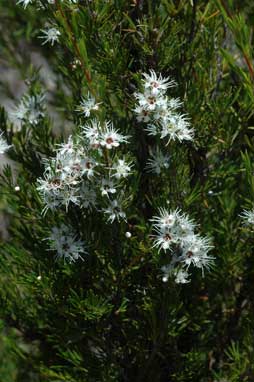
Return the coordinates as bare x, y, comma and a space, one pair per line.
159, 112
64, 173
174, 233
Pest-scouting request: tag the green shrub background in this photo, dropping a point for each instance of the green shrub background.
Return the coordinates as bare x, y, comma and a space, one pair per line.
111, 318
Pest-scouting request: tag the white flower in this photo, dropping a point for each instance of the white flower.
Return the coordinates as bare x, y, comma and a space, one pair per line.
73, 163
88, 166
157, 84
19, 112
161, 112
158, 162
195, 251
87, 105
166, 219
67, 148
248, 216
50, 35
173, 127
105, 136
185, 226
25, 3
65, 243
122, 169
3, 144
91, 132
114, 210
69, 164
56, 193
30, 109
107, 187
51, 202
70, 1
153, 129
174, 103
164, 239
165, 109
168, 228
110, 137
143, 115
150, 102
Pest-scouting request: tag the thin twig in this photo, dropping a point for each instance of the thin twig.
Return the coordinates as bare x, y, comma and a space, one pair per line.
76, 47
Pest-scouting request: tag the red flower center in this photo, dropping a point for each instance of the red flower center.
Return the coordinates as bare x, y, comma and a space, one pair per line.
109, 140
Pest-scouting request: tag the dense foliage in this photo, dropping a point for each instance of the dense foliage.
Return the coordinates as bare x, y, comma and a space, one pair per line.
90, 289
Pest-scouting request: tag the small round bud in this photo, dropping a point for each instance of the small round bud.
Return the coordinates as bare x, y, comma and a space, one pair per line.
128, 235
164, 279
39, 277
17, 188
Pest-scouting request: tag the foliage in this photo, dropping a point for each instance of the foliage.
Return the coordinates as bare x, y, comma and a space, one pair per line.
110, 316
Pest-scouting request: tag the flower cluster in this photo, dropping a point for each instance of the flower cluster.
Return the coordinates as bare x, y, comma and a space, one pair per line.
31, 109
3, 144
64, 241
82, 173
175, 235
159, 112
64, 173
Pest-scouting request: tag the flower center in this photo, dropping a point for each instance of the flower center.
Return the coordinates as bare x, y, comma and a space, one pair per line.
167, 237
155, 84
151, 100
109, 140
66, 247
56, 182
